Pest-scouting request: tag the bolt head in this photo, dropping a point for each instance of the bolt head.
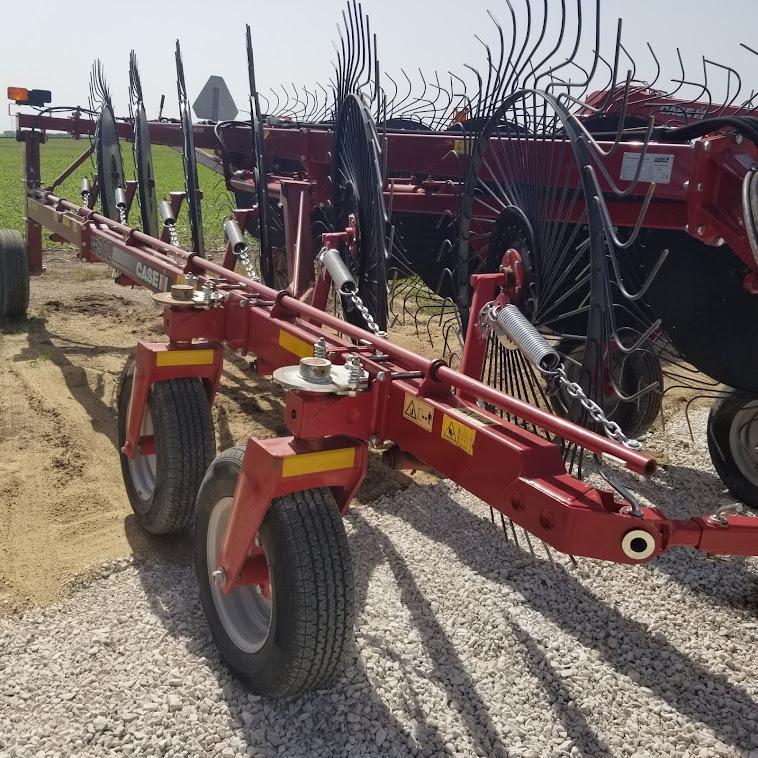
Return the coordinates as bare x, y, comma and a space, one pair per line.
701, 230
219, 576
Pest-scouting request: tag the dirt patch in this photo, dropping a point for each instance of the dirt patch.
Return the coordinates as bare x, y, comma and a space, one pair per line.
63, 507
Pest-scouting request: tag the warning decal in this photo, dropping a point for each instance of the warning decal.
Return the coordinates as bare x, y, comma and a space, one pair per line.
418, 411
458, 434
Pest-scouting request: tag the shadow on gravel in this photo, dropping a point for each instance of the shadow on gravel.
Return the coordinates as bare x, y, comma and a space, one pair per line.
686, 686
729, 581
165, 568
462, 696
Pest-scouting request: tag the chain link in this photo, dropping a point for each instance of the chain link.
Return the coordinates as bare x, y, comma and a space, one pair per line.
173, 237
373, 327
247, 264
611, 428
122, 214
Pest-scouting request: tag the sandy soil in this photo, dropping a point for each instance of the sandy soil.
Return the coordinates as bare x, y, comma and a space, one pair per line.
62, 503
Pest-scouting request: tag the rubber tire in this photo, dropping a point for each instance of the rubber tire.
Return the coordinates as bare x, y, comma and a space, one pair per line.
720, 419
14, 275
311, 583
634, 418
637, 417
185, 445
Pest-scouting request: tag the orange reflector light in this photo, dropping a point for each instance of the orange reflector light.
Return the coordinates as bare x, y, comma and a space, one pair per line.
19, 94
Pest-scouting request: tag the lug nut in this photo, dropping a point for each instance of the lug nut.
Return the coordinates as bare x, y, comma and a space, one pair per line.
219, 576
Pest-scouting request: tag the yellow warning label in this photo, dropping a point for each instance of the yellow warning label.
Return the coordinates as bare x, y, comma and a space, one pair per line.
419, 412
294, 345
463, 147
458, 434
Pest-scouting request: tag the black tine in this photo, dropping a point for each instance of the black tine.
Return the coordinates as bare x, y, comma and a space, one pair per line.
513, 531
505, 531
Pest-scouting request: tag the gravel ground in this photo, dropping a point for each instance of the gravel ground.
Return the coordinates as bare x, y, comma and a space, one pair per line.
465, 645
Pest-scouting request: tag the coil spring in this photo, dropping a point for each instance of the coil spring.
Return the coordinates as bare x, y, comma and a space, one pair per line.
342, 279
512, 324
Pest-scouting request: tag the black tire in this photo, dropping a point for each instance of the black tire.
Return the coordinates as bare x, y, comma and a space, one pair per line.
180, 415
735, 412
14, 275
640, 369
310, 623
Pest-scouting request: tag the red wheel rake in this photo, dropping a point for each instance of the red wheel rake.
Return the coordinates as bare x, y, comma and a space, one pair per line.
539, 231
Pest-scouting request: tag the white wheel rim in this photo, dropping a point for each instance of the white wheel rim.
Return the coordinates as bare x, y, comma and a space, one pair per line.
743, 441
244, 612
142, 468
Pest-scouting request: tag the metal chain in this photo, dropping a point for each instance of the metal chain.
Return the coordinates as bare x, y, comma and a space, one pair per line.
173, 237
247, 264
487, 320
122, 214
611, 428
373, 327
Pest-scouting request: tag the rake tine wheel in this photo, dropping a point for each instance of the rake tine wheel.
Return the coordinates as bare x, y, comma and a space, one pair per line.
529, 196
358, 197
110, 167
191, 183
259, 169
143, 158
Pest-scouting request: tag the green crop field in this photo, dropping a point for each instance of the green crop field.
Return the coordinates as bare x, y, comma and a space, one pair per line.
57, 154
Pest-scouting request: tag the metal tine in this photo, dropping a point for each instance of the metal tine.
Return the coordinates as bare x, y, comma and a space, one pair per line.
575, 49
275, 110
619, 132
651, 85
391, 101
559, 41
704, 90
135, 84
98, 86
502, 59
730, 71
415, 106
323, 114
442, 115
631, 60
311, 104
485, 96
406, 98
298, 107
287, 108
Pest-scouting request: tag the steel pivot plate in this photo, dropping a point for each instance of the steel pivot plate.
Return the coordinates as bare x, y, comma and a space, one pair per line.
318, 375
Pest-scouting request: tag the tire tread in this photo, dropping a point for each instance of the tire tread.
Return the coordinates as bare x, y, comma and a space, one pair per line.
14, 275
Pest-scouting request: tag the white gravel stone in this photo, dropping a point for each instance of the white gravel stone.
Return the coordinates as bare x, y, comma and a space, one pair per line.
465, 646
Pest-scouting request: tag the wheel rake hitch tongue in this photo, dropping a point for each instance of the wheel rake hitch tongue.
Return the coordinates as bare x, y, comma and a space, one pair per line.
529, 217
